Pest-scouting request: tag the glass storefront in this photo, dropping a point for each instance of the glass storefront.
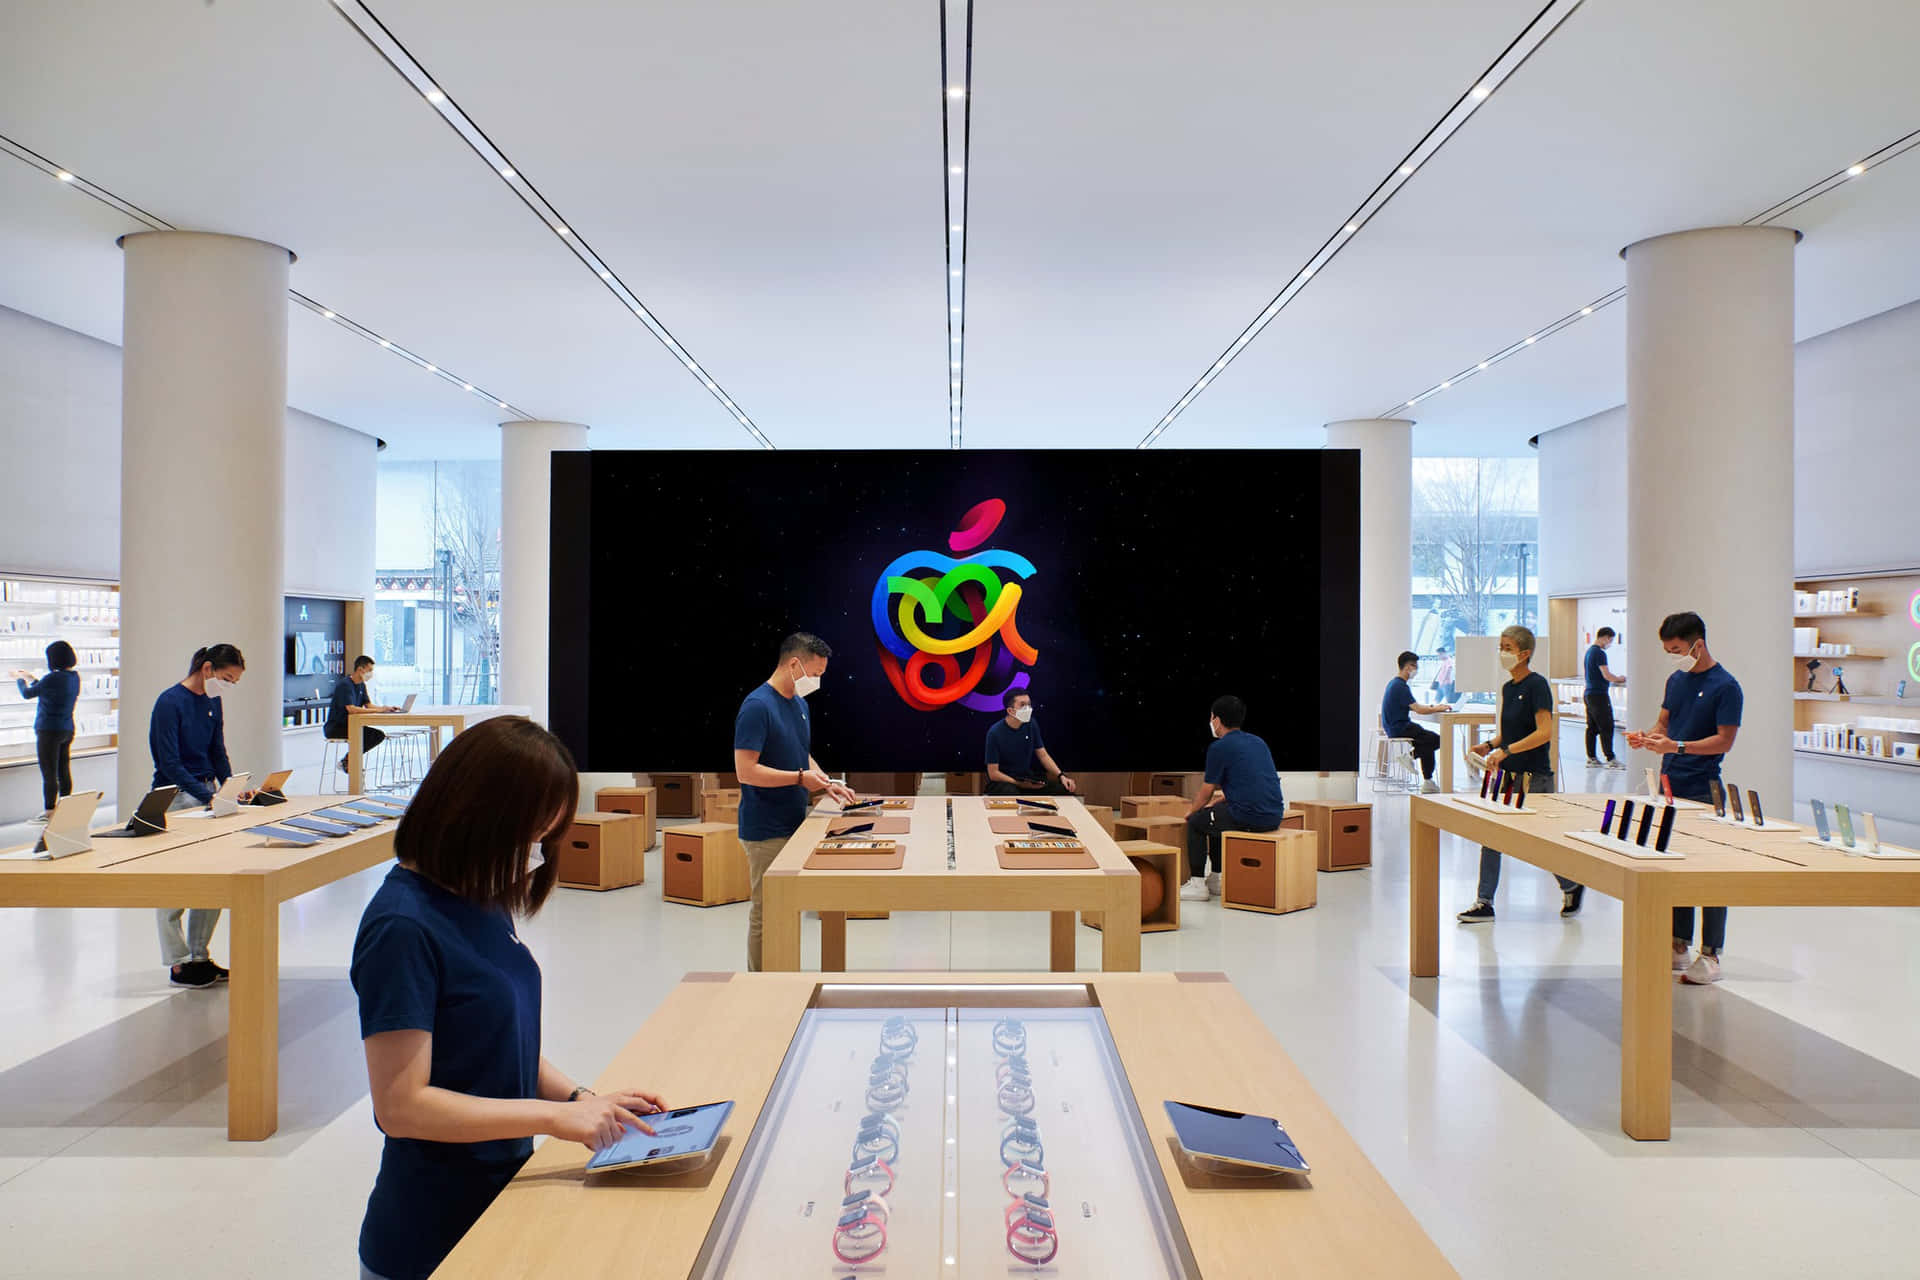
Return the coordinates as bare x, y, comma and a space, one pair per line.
435, 627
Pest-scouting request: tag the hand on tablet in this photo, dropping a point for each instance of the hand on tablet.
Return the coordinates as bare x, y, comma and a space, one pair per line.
595, 1121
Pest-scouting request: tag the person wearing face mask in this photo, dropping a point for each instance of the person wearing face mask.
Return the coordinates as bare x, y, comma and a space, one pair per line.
450, 998
1520, 744
188, 740
1239, 764
1599, 702
1699, 719
1016, 756
772, 754
1396, 709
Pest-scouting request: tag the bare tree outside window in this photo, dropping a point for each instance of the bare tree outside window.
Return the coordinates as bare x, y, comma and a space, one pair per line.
467, 530
1475, 532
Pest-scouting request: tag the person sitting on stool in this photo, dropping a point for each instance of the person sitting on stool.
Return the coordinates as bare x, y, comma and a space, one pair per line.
1017, 760
349, 700
1241, 765
1398, 705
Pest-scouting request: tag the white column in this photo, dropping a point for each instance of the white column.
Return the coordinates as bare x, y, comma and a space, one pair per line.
1710, 476
1386, 550
203, 428
526, 537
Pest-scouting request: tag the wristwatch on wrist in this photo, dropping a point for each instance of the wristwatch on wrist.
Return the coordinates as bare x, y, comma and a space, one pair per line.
577, 1091
1680, 748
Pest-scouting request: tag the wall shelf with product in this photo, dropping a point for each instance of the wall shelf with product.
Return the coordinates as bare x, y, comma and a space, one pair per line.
1572, 622
322, 636
34, 612
1872, 620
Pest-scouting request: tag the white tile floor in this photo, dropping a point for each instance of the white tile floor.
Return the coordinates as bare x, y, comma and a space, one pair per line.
1488, 1097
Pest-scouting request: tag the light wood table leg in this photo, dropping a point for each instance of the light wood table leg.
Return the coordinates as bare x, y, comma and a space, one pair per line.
1120, 930
833, 942
1646, 1014
253, 1013
356, 761
1424, 896
1061, 954
779, 924
1446, 757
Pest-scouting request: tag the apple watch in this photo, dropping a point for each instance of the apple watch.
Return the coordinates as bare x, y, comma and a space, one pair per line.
1031, 1237
884, 1093
1015, 1097
871, 1201
1016, 1063
898, 1036
1009, 1037
1022, 1147
859, 1236
1023, 1179
870, 1172
877, 1144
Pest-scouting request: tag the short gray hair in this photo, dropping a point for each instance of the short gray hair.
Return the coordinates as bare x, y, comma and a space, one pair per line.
1521, 637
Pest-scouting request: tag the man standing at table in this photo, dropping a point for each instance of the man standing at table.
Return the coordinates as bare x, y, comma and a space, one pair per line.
1239, 764
1017, 759
1396, 709
1699, 718
772, 754
1599, 699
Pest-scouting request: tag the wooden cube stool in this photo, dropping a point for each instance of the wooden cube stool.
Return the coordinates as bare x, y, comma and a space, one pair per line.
1344, 830
720, 804
677, 794
966, 784
1103, 815
1269, 871
1152, 806
704, 865
638, 801
1184, 785
602, 851
1151, 859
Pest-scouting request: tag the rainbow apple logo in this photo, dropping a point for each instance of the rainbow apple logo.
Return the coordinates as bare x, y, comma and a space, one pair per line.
948, 608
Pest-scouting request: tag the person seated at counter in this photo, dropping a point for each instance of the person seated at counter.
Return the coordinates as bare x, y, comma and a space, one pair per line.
1396, 709
449, 998
350, 699
1240, 765
1017, 759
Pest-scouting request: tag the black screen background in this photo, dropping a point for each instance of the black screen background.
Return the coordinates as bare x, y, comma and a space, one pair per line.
1163, 579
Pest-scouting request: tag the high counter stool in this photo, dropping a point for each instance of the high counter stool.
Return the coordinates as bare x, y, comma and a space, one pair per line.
330, 765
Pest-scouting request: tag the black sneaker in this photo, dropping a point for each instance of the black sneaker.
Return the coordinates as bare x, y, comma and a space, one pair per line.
194, 973
1479, 913
1570, 900
219, 974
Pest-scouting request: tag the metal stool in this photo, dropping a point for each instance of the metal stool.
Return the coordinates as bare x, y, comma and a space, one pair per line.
1393, 766
330, 766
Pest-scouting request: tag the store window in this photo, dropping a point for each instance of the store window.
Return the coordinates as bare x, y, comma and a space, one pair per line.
436, 614
1476, 556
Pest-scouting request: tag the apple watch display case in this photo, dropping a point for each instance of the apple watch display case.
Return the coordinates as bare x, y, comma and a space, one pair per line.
985, 1132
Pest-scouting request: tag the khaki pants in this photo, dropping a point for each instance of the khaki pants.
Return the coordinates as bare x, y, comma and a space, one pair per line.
760, 856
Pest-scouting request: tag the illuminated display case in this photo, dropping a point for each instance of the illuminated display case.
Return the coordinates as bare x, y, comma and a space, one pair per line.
956, 1138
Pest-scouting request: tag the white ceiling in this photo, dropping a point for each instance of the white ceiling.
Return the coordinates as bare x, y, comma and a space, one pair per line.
767, 177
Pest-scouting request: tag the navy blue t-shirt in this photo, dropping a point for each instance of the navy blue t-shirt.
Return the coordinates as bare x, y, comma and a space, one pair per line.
1240, 764
1596, 669
426, 960
1521, 701
57, 692
188, 740
778, 728
1396, 708
1012, 747
347, 693
1697, 703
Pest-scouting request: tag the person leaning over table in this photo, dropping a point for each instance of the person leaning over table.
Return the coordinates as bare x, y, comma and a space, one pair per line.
349, 700
1699, 719
1520, 744
188, 739
1016, 755
56, 692
1240, 767
450, 997
772, 756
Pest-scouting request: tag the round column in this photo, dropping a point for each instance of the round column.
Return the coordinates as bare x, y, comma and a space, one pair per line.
1386, 551
526, 537
203, 427
1709, 493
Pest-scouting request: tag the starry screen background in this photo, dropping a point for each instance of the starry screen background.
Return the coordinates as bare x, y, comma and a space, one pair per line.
1163, 579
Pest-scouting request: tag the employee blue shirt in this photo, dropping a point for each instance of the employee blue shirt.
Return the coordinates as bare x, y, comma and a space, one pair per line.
1521, 702
1697, 703
1012, 747
188, 740
57, 691
426, 960
778, 728
1396, 708
1596, 669
1240, 764
347, 693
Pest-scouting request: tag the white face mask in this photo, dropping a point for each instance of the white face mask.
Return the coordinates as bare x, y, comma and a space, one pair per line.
804, 684
1023, 714
1508, 661
217, 688
535, 859
1682, 662
1213, 730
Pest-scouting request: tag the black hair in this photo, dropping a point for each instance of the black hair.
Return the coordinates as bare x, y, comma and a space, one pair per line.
804, 643
362, 661
1012, 696
1404, 658
220, 655
60, 656
1604, 632
1230, 710
1682, 626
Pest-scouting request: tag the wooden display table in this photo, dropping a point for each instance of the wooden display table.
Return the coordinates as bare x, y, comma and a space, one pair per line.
1450, 721
1186, 1035
432, 719
974, 883
1723, 866
210, 862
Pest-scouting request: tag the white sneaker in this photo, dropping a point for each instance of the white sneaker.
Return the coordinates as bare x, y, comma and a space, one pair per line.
1681, 958
1429, 787
1194, 890
1592, 763
1213, 884
1705, 969
1615, 764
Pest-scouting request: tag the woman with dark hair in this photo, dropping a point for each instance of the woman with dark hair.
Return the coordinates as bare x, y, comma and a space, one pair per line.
450, 998
187, 737
57, 691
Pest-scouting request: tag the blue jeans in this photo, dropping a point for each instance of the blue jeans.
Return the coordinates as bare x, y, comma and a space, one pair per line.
177, 947
1537, 784
1713, 920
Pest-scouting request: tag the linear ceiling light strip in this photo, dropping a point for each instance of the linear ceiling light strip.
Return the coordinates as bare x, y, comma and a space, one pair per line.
1510, 60
956, 135
404, 64
1772, 213
31, 157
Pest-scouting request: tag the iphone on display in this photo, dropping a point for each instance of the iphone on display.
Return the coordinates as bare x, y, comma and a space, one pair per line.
1666, 828
1646, 825
1719, 794
1653, 782
1626, 818
1606, 819
1733, 798
1820, 822
1486, 779
1520, 792
1845, 820
1869, 832
1753, 803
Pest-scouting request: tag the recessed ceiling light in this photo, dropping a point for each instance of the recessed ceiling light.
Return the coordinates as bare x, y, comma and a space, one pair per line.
1483, 364
1530, 338
1586, 311
1853, 171
956, 271
1204, 381
562, 231
1480, 92
1307, 272
956, 170
1405, 170
433, 369
502, 403
956, 91
436, 97
64, 176
954, 227
1352, 227
605, 274
1445, 385
466, 386
327, 314
385, 343
506, 172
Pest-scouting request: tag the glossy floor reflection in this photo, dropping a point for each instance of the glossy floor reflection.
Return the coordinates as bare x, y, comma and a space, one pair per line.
1488, 1096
